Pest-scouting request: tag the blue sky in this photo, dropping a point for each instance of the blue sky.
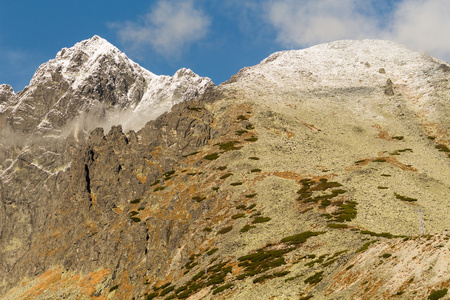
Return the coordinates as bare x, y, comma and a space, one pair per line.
213, 38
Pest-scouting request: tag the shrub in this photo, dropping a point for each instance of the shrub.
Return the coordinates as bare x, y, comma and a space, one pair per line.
261, 220
228, 146
226, 175
251, 206
255, 170
155, 183
207, 229
253, 158
222, 288
365, 246
135, 201
301, 237
225, 230
198, 198
242, 206
221, 168
135, 219
166, 291
386, 255
212, 251
212, 156
438, 294
159, 188
242, 118
237, 216
314, 279
152, 295
252, 139
404, 198
113, 288
379, 160
236, 183
246, 228
250, 196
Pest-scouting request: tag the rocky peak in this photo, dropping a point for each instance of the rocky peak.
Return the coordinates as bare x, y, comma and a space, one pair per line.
6, 92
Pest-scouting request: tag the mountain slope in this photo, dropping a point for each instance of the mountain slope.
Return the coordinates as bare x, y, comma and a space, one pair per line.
299, 178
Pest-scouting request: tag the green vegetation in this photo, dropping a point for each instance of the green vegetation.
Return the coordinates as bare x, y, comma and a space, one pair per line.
253, 158
237, 216
190, 154
404, 198
301, 237
228, 146
249, 127
365, 246
386, 175
442, 148
431, 137
240, 132
212, 251
251, 196
115, 287
246, 228
252, 139
398, 138
360, 161
383, 187
135, 201
195, 108
386, 255
274, 275
314, 279
212, 156
155, 183
255, 170
198, 198
261, 220
159, 188
262, 261
349, 267
225, 230
226, 175
383, 234
251, 206
379, 160
222, 288
152, 295
216, 188
242, 206
207, 229
221, 168
438, 294
135, 219
133, 213
242, 118
166, 291
168, 175
236, 183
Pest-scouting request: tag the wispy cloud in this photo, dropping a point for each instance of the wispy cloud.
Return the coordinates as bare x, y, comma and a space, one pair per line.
168, 28
423, 25
420, 24
304, 23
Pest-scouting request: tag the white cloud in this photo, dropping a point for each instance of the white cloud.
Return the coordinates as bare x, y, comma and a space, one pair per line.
169, 27
419, 24
423, 25
309, 22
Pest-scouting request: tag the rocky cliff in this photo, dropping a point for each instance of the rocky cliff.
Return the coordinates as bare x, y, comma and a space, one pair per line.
304, 177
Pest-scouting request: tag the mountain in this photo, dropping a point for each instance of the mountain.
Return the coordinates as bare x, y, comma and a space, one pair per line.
320, 173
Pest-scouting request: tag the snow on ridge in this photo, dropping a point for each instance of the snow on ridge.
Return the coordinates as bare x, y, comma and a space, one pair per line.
346, 63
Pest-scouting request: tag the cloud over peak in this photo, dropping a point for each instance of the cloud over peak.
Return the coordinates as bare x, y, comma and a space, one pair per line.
169, 27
